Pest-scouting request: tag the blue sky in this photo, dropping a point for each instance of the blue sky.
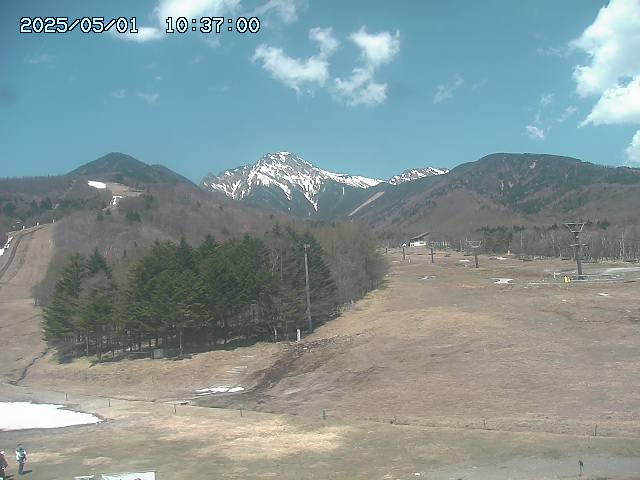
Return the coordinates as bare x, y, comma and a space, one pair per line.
362, 87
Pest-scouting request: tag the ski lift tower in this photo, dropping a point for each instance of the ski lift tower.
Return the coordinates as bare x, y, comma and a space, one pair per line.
576, 229
431, 246
474, 245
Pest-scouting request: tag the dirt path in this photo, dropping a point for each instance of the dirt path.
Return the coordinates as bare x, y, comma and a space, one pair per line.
20, 321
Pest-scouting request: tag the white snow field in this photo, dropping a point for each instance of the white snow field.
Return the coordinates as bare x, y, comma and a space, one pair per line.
23, 415
96, 184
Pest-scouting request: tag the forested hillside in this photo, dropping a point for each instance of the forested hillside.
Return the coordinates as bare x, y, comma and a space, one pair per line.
192, 298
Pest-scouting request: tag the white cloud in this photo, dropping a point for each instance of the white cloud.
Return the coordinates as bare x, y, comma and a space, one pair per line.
174, 9
633, 150
617, 105
325, 40
360, 89
299, 73
145, 34
194, 8
546, 99
568, 113
562, 52
293, 72
535, 132
612, 43
446, 90
119, 94
286, 10
377, 48
150, 98
38, 59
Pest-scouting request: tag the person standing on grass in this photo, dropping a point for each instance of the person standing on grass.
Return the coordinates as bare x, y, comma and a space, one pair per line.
21, 458
3, 465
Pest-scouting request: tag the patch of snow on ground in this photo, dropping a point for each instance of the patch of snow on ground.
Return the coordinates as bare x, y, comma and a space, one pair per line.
503, 281
464, 260
96, 184
223, 389
1, 251
129, 476
23, 415
603, 294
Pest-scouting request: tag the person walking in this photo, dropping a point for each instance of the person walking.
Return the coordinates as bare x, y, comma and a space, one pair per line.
21, 458
3, 465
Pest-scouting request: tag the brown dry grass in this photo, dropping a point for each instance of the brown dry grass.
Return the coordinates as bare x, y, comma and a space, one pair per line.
541, 364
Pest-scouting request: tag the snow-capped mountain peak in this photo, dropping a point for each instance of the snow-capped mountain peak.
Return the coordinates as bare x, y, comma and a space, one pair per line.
287, 181
283, 170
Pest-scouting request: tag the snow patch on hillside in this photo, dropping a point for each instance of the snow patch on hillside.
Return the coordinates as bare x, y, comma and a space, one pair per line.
96, 184
416, 173
6, 246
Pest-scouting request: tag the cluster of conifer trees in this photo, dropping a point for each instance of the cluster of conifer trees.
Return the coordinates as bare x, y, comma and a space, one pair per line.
191, 298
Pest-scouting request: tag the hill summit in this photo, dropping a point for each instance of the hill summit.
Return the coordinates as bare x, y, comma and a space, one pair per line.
123, 168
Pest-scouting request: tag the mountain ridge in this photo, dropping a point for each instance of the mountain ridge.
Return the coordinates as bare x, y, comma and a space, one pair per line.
292, 175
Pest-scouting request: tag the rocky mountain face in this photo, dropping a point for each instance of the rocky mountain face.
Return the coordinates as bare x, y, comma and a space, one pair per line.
285, 181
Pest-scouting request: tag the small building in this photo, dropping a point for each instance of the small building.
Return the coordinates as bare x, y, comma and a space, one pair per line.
419, 240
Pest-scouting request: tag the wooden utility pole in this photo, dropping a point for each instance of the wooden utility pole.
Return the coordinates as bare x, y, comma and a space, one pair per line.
403, 253
432, 254
306, 277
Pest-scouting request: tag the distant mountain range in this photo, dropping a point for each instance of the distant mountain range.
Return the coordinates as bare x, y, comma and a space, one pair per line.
502, 189
499, 189
285, 181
